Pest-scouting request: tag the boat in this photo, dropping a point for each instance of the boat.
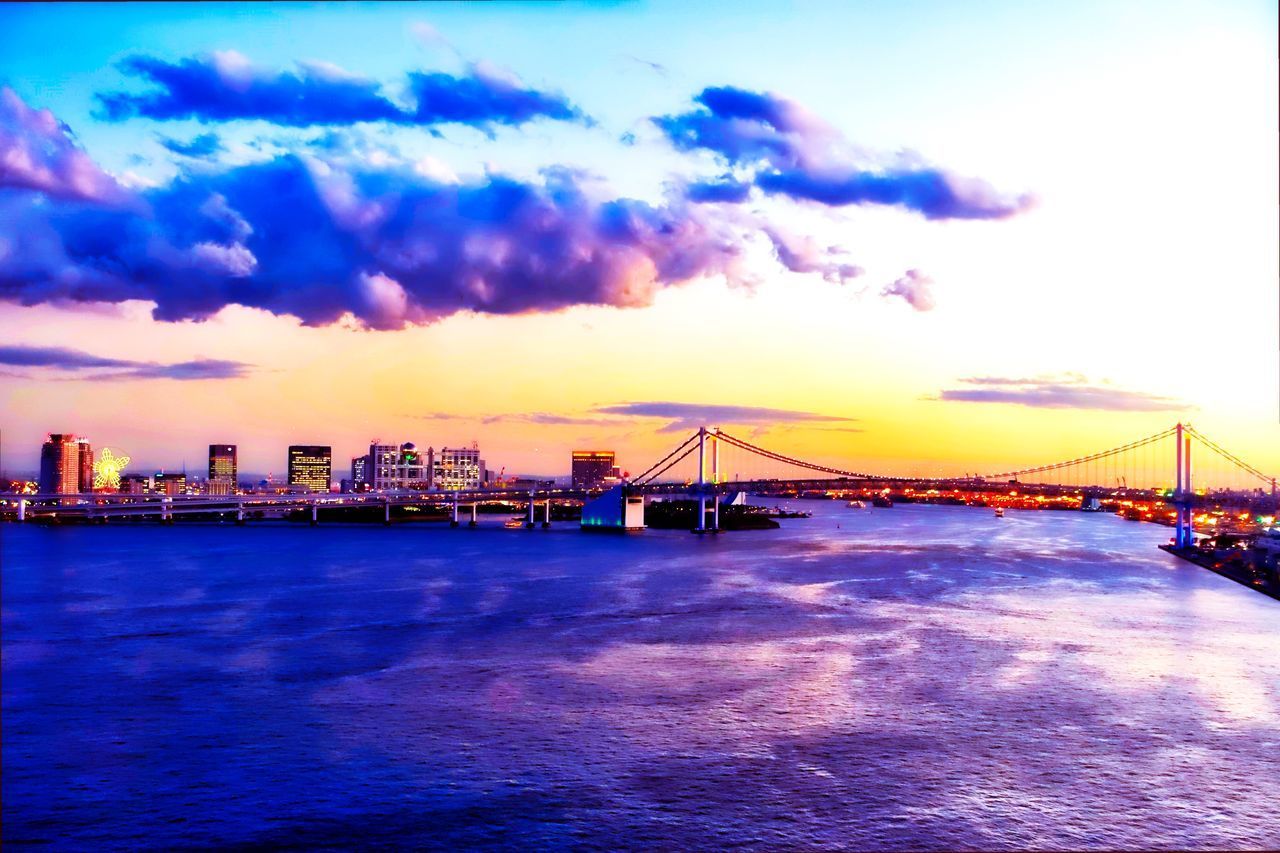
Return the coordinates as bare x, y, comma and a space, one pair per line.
882, 501
999, 512
514, 523
857, 505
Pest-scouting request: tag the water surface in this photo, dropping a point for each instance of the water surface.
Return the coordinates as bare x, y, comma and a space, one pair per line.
918, 677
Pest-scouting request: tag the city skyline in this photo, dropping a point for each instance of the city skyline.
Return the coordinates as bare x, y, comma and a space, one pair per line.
1004, 280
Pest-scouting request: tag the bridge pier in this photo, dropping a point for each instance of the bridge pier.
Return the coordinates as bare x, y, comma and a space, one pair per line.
240, 514
453, 522
546, 515
166, 510
22, 509
529, 523
315, 516
475, 509
386, 510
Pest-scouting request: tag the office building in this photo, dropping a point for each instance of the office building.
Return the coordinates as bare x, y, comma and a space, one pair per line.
594, 469
66, 465
310, 466
458, 468
135, 484
222, 469
360, 480
391, 466
168, 484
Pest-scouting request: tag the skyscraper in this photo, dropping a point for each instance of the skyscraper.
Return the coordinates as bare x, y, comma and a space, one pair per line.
222, 469
592, 468
66, 465
310, 466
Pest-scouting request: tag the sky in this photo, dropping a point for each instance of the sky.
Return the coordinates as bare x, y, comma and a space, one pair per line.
914, 238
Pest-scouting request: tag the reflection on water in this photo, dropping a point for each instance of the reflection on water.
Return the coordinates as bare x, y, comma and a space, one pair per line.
919, 677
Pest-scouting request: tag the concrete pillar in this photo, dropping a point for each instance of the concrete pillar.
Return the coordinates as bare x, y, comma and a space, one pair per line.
22, 509
386, 510
453, 522
239, 512
166, 510
529, 522
475, 509
715, 513
546, 515
315, 516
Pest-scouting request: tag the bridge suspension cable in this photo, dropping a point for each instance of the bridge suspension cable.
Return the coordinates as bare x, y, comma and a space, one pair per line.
666, 467
1226, 454
778, 457
1133, 445
653, 469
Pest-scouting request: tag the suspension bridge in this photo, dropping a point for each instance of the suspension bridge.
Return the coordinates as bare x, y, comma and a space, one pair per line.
711, 463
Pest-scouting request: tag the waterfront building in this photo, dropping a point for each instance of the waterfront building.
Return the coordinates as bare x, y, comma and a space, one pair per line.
222, 469
382, 464
135, 484
593, 469
310, 466
360, 479
168, 484
458, 468
66, 465
391, 466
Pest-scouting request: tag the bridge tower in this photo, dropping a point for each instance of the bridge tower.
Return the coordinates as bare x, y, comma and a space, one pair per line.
705, 488
1182, 495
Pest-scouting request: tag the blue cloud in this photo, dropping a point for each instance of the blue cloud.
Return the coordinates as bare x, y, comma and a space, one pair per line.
57, 357
227, 87
787, 150
724, 189
199, 147
684, 416
100, 368
1068, 392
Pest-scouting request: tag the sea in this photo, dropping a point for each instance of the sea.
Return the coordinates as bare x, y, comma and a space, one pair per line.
906, 678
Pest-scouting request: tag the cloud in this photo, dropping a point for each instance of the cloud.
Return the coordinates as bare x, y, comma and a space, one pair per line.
784, 149
692, 415
37, 153
915, 287
540, 418
89, 366
681, 416
1067, 392
199, 147
57, 357
722, 189
226, 86
800, 253
386, 245
378, 241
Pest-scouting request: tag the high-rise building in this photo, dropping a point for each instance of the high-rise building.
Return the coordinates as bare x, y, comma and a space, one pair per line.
66, 465
392, 466
310, 466
360, 479
169, 484
593, 469
458, 468
382, 464
222, 469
